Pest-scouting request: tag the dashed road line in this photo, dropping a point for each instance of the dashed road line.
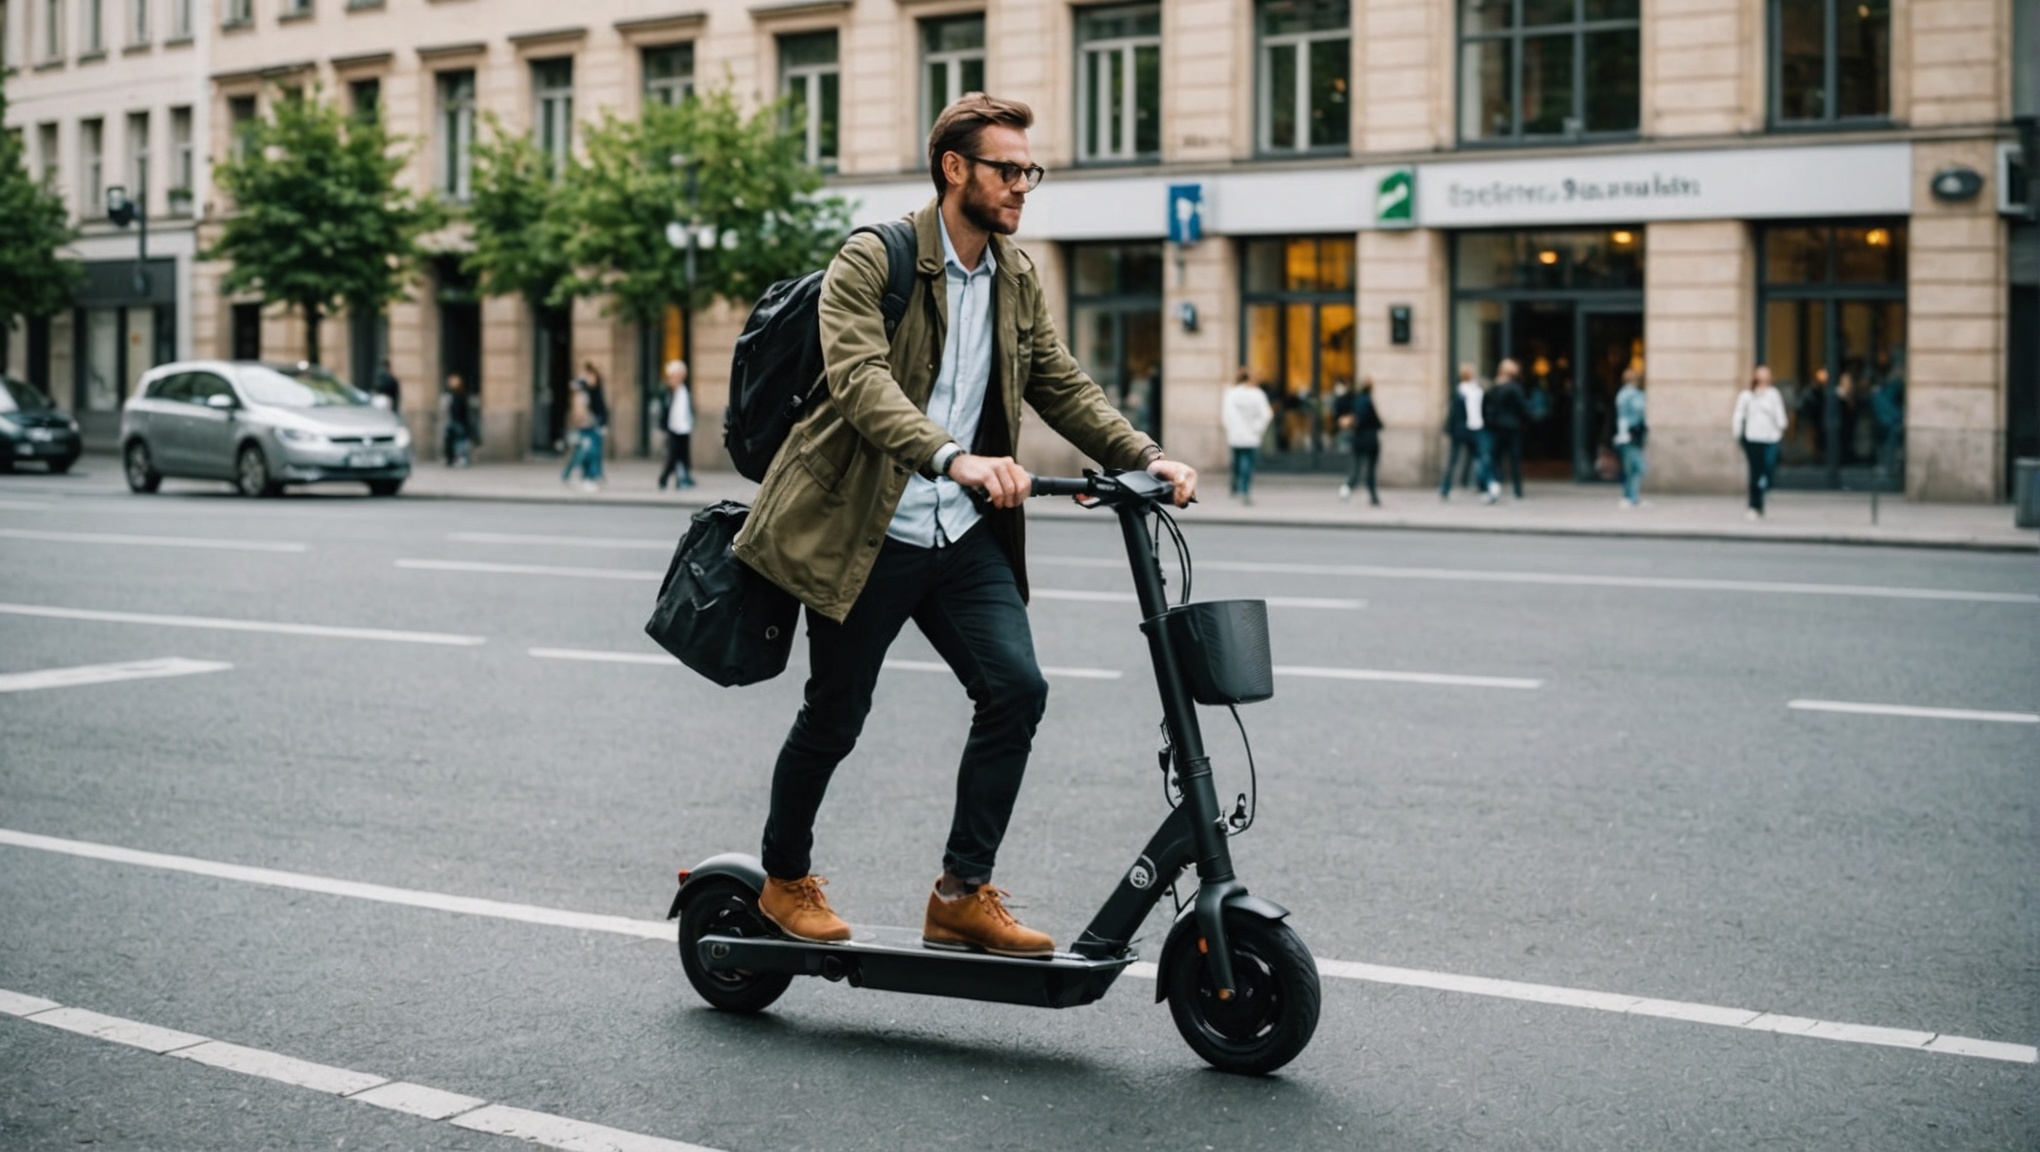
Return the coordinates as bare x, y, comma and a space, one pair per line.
153, 541
320, 630
663, 660
23, 506
107, 673
622, 543
468, 1112
529, 570
1443, 679
1713, 1014
1914, 712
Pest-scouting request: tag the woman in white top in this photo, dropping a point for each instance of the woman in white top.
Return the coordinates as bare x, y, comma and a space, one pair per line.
1246, 414
679, 429
1759, 426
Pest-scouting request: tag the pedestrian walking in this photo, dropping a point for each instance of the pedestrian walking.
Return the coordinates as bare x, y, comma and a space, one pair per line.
456, 422
1759, 426
679, 428
1466, 451
1631, 430
1506, 411
871, 523
388, 387
585, 435
1246, 414
1362, 422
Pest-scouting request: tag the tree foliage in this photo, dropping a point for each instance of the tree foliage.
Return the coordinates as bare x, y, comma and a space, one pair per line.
515, 217
753, 191
319, 221
35, 227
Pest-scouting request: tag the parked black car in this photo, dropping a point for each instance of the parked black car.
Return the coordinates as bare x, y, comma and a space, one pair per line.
34, 429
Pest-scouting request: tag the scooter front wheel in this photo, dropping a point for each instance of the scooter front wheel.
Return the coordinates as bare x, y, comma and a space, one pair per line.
1271, 1014
726, 907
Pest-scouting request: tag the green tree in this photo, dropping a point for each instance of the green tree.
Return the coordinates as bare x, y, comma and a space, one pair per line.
319, 221
514, 217
34, 229
743, 179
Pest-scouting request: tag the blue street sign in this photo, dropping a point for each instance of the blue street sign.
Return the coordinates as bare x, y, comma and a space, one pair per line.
1186, 213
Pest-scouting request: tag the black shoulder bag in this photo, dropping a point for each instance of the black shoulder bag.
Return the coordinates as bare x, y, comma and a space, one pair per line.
714, 613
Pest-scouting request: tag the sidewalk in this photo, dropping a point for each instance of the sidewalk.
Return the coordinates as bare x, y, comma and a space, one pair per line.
1313, 501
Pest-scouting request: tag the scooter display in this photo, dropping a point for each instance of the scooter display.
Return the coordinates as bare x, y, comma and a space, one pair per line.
1241, 986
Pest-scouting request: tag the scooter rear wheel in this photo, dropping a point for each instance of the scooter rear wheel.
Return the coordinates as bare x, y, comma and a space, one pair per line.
726, 907
1273, 1011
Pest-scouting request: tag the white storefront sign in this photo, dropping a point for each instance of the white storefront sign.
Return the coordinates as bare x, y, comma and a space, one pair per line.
1743, 184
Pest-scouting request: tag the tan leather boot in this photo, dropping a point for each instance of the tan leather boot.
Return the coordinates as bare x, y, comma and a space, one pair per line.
980, 921
801, 911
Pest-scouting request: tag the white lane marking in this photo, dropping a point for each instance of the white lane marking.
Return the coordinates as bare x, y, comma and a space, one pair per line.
625, 543
107, 673
603, 657
1046, 670
152, 541
320, 630
1667, 583
560, 1132
1129, 598
439, 902
23, 506
396, 1095
530, 570
283, 1069
1439, 678
1908, 710
1338, 969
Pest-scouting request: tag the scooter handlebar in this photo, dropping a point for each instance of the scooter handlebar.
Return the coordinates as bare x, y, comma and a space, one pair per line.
1132, 486
1063, 486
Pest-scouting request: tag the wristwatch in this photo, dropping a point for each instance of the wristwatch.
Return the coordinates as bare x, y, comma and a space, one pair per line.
940, 463
1150, 454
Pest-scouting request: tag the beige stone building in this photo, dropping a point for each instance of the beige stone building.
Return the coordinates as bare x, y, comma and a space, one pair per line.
1321, 190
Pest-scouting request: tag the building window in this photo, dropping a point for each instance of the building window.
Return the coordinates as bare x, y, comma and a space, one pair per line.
1551, 69
1299, 338
240, 123
1119, 83
182, 161
52, 30
180, 19
809, 79
138, 182
46, 148
238, 13
1830, 60
138, 22
365, 98
92, 28
456, 132
295, 9
1832, 329
552, 123
1305, 65
952, 62
1116, 329
669, 74
92, 167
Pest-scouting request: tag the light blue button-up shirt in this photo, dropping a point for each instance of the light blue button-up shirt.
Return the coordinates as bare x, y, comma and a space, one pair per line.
936, 512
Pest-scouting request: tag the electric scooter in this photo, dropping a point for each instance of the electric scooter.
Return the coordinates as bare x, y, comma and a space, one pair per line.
1240, 984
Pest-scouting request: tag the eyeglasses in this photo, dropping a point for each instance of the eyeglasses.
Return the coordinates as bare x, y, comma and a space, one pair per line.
1009, 172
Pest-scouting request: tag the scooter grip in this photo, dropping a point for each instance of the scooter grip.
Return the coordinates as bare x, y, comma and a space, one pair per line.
1062, 486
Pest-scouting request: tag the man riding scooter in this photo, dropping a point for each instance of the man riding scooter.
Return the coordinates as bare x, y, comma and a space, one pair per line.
868, 515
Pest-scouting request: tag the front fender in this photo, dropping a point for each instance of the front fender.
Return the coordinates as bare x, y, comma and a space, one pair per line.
1186, 925
739, 866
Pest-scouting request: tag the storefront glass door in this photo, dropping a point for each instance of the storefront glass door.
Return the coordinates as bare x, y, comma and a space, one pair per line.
1116, 299
1300, 344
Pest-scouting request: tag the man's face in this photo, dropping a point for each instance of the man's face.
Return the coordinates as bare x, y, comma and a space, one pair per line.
987, 201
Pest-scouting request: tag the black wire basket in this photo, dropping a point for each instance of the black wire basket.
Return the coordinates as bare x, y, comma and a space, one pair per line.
1222, 647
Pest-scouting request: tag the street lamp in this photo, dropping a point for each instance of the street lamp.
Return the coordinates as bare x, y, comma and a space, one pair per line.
123, 211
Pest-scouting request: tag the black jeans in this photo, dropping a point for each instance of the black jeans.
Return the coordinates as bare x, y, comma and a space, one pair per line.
966, 602
1509, 454
679, 458
1365, 458
1763, 462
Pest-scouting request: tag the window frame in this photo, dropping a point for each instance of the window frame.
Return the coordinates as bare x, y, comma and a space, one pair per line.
552, 111
1128, 49
1579, 28
139, 155
810, 77
92, 167
1774, 68
183, 156
951, 60
237, 13
92, 29
1264, 80
679, 86
138, 23
52, 32
454, 113
180, 20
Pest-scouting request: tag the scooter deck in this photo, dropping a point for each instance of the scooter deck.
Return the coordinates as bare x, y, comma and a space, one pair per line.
895, 960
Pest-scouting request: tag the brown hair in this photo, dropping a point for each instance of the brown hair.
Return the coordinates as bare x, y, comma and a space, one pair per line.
962, 125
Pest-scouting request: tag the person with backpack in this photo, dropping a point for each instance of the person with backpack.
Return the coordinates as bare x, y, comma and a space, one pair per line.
896, 497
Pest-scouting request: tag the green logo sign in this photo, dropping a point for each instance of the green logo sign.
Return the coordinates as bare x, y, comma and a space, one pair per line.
1395, 200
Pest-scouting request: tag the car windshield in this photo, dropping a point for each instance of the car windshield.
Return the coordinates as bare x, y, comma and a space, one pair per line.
16, 396
299, 387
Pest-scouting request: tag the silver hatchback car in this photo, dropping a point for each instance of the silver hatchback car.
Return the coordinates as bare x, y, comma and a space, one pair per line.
259, 426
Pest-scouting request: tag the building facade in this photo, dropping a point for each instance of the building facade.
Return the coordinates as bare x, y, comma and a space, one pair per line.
1324, 191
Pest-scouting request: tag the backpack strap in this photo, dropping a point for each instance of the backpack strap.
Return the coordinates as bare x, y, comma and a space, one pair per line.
902, 251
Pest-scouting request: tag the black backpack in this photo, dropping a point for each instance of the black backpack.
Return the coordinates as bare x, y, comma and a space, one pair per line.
778, 365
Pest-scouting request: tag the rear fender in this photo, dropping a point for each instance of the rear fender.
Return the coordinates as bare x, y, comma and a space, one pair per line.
1186, 926
739, 866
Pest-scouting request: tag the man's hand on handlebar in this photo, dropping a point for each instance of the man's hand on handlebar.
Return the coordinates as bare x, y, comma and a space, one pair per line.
1003, 481
1183, 476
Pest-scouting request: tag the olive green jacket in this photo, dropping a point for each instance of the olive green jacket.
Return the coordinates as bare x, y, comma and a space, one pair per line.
822, 512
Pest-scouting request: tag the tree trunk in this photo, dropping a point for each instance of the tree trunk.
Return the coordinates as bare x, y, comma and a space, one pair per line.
311, 333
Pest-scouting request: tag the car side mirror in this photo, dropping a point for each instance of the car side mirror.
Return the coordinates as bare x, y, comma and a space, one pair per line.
220, 400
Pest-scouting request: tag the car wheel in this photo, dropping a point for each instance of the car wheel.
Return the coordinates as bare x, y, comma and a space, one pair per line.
141, 470
251, 473
385, 487
59, 467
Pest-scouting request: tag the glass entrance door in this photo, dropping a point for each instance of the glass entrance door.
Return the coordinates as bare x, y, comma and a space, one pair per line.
1299, 343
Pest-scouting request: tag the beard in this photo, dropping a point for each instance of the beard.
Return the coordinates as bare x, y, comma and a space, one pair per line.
982, 210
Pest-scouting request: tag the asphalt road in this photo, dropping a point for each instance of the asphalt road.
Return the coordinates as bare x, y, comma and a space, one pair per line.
1594, 792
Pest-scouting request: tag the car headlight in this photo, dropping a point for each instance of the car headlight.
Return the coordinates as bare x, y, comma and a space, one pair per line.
299, 436
9, 427
403, 437
71, 424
